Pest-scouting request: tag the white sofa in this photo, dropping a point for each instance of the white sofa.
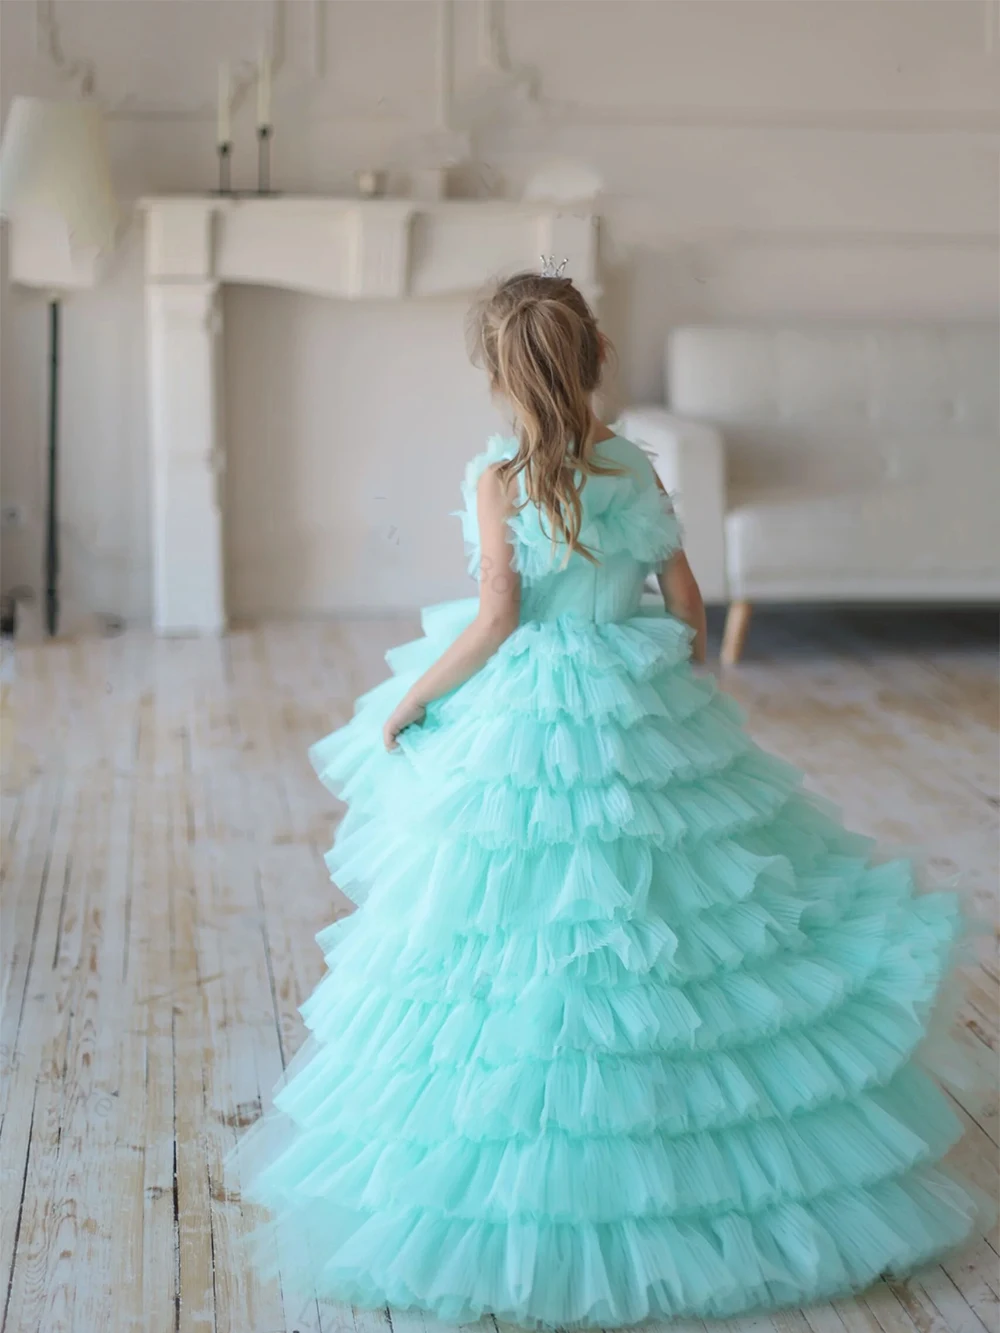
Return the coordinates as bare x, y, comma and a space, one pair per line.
832, 463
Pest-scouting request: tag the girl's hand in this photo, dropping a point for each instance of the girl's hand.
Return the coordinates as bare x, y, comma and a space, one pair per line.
407, 713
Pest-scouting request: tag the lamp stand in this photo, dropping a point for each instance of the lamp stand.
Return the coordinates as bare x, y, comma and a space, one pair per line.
52, 510
264, 133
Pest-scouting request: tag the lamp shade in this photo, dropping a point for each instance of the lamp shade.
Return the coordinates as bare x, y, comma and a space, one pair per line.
55, 188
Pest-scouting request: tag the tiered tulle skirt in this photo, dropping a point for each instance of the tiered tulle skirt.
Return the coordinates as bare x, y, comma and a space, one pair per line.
625, 1024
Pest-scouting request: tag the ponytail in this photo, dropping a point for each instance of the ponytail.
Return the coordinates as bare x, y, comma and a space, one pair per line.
539, 342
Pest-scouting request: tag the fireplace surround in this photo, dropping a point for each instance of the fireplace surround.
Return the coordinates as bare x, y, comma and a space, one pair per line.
349, 250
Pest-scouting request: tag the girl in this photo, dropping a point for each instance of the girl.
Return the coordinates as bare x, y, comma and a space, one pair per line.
624, 1025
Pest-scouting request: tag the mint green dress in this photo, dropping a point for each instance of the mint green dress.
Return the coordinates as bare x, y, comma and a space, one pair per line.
624, 1025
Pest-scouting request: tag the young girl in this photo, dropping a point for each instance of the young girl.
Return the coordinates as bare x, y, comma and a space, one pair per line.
624, 1025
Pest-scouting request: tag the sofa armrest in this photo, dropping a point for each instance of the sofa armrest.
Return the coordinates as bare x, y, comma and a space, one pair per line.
690, 460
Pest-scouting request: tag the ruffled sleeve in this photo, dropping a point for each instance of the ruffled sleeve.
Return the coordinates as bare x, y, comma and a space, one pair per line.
534, 555
496, 450
622, 514
639, 520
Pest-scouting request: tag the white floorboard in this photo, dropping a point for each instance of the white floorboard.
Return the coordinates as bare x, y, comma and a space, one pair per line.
163, 881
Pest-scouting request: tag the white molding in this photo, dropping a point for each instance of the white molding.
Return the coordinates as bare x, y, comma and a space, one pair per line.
76, 70
179, 240
183, 325
493, 58
362, 249
81, 71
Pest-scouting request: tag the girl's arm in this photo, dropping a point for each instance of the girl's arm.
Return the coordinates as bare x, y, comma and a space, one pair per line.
496, 620
682, 596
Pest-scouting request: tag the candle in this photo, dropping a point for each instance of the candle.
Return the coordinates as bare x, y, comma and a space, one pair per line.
224, 133
371, 184
264, 91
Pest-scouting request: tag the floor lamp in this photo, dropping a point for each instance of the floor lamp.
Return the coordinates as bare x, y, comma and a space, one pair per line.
56, 195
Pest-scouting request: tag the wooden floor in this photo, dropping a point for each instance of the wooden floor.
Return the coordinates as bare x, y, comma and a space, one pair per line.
162, 845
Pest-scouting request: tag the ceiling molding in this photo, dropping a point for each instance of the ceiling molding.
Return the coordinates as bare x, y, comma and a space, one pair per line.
76, 71
514, 92
494, 56
81, 73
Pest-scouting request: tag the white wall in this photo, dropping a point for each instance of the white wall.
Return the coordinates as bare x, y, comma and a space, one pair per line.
349, 429
759, 158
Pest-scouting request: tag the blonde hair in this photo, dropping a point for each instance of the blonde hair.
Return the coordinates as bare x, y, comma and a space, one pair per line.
538, 340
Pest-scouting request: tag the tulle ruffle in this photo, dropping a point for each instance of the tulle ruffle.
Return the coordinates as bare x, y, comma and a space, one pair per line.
574, 1273
628, 1024
634, 517
564, 1175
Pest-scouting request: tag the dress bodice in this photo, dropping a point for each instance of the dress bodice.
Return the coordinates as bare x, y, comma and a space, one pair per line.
628, 524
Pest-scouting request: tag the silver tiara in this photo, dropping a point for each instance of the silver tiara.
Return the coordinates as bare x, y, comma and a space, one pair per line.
550, 269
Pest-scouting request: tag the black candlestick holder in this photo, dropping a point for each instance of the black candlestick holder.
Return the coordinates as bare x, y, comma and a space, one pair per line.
264, 135
225, 152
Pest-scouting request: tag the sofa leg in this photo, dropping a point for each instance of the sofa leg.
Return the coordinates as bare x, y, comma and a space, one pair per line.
734, 636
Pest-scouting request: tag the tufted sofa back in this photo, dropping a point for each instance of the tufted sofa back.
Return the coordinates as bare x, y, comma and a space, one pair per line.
835, 407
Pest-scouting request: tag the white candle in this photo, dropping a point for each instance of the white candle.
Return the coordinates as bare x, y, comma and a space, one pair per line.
264, 90
224, 133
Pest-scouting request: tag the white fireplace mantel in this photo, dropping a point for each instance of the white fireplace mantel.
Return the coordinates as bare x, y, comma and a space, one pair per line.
379, 249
